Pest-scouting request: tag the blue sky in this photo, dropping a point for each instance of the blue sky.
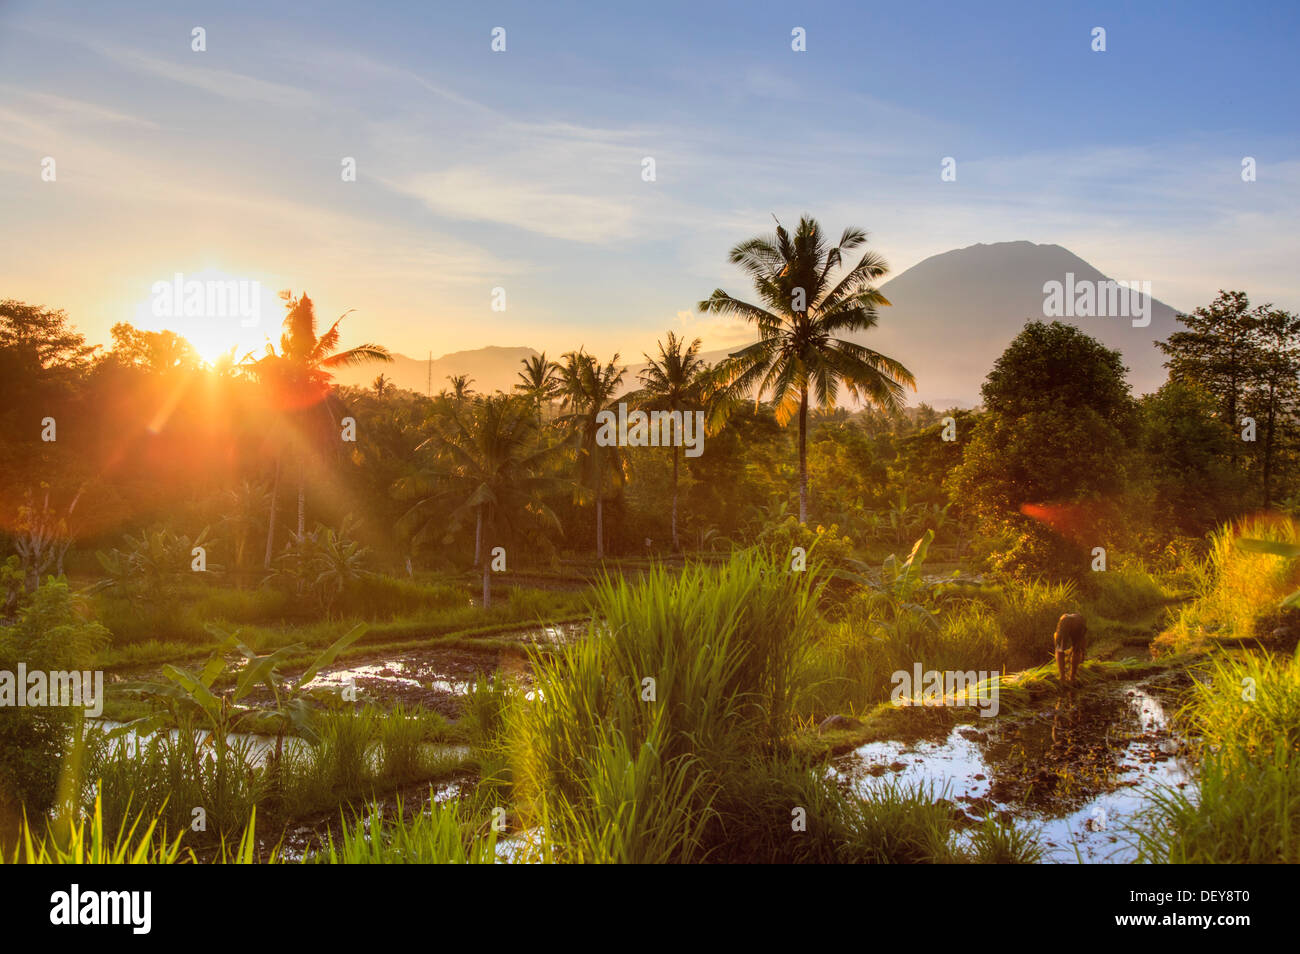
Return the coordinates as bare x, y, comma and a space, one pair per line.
522, 169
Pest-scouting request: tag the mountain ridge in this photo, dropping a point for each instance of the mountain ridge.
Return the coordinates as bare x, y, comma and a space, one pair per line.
974, 300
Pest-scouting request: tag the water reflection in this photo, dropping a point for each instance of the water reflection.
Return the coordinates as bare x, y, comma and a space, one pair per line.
1079, 771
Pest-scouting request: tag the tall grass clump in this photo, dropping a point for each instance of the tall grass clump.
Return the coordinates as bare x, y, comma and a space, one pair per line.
483, 725
1246, 810
90, 840
169, 773
401, 735
343, 756
786, 811
971, 638
996, 842
1026, 614
444, 833
1125, 591
849, 672
1235, 587
682, 677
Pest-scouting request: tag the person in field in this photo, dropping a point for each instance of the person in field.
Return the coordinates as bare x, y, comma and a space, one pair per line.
1071, 637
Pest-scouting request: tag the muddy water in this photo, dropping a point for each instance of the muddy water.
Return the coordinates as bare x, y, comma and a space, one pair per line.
1078, 771
438, 677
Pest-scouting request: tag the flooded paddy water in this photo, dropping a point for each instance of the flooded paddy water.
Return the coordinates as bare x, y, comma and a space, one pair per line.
1078, 771
435, 677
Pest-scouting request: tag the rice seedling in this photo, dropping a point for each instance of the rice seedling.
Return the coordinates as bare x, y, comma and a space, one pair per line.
343, 763
443, 833
400, 735
90, 841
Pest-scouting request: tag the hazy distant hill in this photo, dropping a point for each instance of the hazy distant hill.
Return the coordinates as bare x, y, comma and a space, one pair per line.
951, 316
492, 368
954, 313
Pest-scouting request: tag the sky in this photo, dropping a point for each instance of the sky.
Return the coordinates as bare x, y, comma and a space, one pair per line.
523, 169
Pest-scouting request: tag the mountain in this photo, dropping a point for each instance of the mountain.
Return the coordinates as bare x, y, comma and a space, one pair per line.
953, 314
492, 369
950, 318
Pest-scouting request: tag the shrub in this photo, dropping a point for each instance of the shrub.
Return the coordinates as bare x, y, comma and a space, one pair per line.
52, 632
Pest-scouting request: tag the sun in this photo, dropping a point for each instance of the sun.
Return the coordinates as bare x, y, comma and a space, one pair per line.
214, 310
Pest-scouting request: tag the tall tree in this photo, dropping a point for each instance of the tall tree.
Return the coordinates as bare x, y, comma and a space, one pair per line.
1187, 452
587, 388
488, 466
156, 351
44, 365
1219, 352
673, 382
805, 306
539, 382
1054, 438
1275, 391
460, 387
300, 377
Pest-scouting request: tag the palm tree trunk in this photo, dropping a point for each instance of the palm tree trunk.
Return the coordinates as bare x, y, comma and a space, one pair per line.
600, 512
676, 546
803, 455
270, 529
302, 495
478, 535
487, 564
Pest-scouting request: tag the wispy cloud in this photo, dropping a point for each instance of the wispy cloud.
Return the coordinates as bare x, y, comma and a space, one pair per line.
62, 108
225, 84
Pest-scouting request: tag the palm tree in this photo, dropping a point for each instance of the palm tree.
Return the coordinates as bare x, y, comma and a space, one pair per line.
538, 382
460, 385
587, 389
673, 382
300, 378
488, 466
802, 313
245, 506
381, 384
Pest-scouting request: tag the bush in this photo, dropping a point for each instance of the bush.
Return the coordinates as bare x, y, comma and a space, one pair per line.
827, 543
52, 632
